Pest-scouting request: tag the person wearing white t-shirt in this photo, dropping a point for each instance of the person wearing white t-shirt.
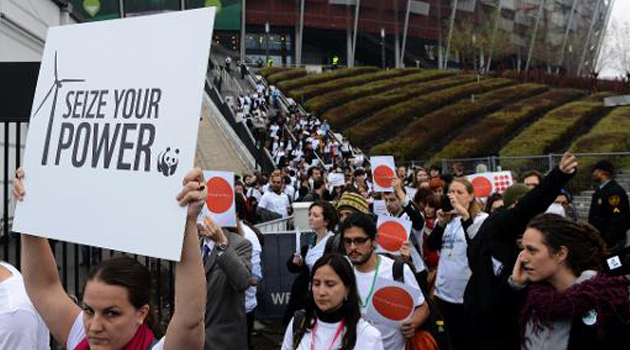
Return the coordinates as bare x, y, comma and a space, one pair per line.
399, 205
21, 327
358, 236
451, 236
115, 312
332, 319
275, 200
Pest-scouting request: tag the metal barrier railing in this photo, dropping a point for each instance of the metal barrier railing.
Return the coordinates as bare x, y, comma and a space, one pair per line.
278, 225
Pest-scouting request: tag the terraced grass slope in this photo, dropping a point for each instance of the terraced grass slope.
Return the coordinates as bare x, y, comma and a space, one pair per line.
419, 114
323, 103
385, 123
349, 113
490, 133
555, 127
418, 139
312, 79
311, 91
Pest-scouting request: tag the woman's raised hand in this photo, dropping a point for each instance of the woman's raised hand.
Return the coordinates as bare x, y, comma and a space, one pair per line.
194, 193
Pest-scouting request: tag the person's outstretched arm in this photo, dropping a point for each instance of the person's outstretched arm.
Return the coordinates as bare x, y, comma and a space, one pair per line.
186, 328
41, 279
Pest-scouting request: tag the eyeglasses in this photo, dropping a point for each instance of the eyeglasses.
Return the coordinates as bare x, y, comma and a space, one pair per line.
359, 241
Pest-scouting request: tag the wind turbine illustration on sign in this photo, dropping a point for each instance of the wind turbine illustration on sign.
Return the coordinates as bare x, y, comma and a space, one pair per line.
57, 84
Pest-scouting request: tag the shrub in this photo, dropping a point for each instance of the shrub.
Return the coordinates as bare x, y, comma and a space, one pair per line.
386, 122
267, 71
486, 136
419, 137
312, 79
348, 113
288, 74
311, 91
322, 103
554, 128
611, 134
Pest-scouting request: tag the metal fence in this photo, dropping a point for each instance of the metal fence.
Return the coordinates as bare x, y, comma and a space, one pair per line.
542, 163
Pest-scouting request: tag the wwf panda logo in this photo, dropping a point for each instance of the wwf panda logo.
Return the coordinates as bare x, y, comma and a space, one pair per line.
168, 161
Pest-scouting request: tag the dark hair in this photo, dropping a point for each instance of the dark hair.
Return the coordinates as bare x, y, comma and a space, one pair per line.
317, 184
529, 173
350, 308
360, 220
329, 212
310, 171
586, 248
128, 273
422, 196
493, 198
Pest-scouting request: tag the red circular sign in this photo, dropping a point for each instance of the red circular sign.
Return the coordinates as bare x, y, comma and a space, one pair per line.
220, 195
383, 176
393, 303
391, 236
483, 187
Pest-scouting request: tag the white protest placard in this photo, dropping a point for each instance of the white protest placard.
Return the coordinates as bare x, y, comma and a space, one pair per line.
392, 233
486, 184
380, 207
392, 303
113, 131
383, 172
298, 244
220, 203
336, 179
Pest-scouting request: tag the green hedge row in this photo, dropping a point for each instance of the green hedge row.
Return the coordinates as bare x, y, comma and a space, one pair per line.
313, 79
286, 74
486, 136
322, 103
554, 128
611, 134
386, 122
423, 134
311, 91
267, 71
346, 114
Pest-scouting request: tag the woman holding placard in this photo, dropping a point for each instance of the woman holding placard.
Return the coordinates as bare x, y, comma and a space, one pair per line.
450, 236
115, 312
332, 319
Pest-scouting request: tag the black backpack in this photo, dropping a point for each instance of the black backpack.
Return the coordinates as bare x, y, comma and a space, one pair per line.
298, 322
435, 323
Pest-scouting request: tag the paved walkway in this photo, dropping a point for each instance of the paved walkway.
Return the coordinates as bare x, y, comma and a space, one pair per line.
216, 148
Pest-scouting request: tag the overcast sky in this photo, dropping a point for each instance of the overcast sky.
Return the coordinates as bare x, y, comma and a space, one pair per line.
620, 13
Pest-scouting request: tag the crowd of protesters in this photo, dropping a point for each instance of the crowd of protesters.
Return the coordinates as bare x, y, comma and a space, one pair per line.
516, 270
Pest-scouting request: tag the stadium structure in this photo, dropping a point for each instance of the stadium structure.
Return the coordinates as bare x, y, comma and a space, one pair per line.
481, 34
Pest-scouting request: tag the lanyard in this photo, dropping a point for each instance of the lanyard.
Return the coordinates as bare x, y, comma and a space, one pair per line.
367, 299
339, 329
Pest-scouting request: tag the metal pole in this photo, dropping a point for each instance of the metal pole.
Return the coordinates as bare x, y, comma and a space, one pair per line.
182, 5
243, 29
405, 30
383, 47
121, 8
494, 35
588, 38
267, 43
301, 38
602, 32
566, 35
450, 34
533, 42
357, 7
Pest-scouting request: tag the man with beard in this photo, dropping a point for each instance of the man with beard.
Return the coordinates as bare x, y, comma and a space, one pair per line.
358, 237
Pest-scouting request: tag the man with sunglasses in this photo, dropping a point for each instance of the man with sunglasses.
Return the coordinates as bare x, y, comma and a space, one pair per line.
358, 237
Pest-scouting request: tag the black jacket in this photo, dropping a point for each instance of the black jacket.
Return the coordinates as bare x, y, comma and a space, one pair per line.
610, 214
489, 303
